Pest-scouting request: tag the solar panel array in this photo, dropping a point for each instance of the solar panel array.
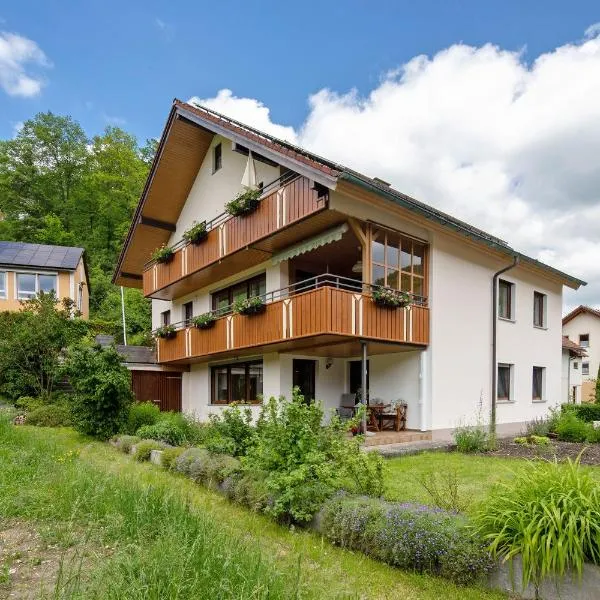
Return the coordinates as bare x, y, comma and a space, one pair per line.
20, 254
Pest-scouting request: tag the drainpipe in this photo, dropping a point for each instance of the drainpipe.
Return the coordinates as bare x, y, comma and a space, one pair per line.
494, 394
363, 382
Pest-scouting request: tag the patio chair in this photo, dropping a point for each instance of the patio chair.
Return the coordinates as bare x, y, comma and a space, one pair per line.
394, 418
346, 408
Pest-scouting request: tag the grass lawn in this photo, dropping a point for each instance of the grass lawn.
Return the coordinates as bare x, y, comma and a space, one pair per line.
99, 525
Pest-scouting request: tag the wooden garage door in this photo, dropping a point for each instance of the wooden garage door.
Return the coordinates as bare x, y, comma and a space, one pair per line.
161, 387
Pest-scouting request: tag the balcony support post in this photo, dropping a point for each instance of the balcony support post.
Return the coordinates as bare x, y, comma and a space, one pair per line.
364, 385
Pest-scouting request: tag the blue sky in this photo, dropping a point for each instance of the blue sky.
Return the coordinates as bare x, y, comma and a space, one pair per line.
123, 62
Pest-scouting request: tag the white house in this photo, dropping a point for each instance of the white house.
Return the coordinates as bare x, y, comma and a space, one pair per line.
572, 356
319, 249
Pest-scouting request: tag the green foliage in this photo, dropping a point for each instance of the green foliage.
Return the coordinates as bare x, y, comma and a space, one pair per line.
244, 203
570, 428
204, 321
196, 233
249, 306
533, 440
391, 298
163, 254
164, 431
28, 403
470, 438
444, 490
50, 415
586, 412
166, 332
231, 432
407, 536
140, 414
169, 456
549, 514
31, 344
103, 390
125, 442
144, 448
541, 426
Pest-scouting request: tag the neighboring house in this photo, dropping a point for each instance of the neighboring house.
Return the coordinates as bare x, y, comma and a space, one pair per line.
27, 269
322, 239
572, 356
582, 326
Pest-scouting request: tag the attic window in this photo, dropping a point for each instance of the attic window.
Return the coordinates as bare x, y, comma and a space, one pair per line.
217, 157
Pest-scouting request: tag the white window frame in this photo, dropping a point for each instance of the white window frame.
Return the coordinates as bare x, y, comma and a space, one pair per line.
512, 298
511, 383
544, 310
4, 288
36, 274
543, 396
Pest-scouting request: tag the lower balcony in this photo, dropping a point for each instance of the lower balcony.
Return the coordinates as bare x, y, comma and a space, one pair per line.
325, 314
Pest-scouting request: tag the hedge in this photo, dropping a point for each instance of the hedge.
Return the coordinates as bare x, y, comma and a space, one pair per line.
586, 412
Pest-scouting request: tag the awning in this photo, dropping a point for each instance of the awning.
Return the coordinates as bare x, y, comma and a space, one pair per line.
331, 235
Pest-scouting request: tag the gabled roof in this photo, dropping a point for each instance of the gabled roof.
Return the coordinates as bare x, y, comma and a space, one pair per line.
579, 311
572, 347
322, 170
40, 256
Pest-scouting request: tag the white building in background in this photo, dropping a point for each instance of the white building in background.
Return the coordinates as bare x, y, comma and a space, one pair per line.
322, 240
572, 379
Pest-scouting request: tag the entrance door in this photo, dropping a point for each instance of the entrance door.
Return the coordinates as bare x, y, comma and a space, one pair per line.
356, 375
304, 377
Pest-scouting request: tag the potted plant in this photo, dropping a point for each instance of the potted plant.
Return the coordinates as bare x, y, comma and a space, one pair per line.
389, 298
244, 203
164, 254
166, 332
250, 306
205, 321
196, 234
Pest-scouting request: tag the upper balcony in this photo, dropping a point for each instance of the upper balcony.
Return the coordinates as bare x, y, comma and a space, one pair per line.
327, 314
290, 209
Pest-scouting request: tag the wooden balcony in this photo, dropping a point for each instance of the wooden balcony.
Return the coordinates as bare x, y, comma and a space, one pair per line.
237, 243
324, 320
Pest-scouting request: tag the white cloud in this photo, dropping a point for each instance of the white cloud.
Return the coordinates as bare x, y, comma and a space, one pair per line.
116, 121
511, 147
17, 56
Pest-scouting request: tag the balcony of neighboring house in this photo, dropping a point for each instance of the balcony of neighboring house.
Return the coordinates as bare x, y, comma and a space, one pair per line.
332, 304
291, 208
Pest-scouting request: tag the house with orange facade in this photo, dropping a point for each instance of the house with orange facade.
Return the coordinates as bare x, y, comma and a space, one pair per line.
28, 269
323, 278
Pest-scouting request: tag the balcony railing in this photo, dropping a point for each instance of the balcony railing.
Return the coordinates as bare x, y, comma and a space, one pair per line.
285, 201
327, 306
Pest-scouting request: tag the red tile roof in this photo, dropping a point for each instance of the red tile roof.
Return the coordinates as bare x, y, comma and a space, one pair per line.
581, 310
576, 349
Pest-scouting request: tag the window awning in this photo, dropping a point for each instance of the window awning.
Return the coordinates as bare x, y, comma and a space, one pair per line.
327, 237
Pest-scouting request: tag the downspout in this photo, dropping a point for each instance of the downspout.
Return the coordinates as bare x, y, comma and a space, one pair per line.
494, 395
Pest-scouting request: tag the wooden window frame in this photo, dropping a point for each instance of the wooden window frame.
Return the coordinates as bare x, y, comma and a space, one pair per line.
228, 366
540, 297
217, 157
165, 318
511, 299
186, 319
229, 289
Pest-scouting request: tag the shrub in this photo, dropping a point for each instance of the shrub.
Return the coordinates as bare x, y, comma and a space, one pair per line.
586, 412
144, 448
124, 442
140, 414
163, 431
28, 403
192, 429
169, 456
230, 432
213, 469
420, 538
549, 514
571, 429
250, 491
444, 490
103, 395
593, 436
541, 426
533, 440
184, 462
50, 415
470, 438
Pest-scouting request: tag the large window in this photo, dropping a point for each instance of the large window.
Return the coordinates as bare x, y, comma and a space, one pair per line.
223, 299
237, 382
505, 299
538, 382
398, 262
505, 382
30, 284
539, 309
3, 293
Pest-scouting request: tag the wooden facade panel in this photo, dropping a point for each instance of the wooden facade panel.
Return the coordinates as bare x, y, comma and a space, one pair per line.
200, 255
173, 349
160, 387
168, 272
209, 341
257, 330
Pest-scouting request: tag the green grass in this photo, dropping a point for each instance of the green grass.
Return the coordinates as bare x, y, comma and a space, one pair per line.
136, 531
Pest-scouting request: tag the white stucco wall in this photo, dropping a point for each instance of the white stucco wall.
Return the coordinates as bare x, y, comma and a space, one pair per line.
571, 377
586, 323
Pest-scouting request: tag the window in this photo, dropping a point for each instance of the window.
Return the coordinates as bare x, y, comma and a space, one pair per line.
188, 312
165, 318
238, 382
29, 285
584, 340
538, 383
576, 366
3, 284
223, 299
539, 309
217, 157
585, 368
505, 299
398, 262
504, 382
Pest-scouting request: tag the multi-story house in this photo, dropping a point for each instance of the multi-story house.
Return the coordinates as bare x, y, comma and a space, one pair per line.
481, 330
572, 379
27, 269
582, 326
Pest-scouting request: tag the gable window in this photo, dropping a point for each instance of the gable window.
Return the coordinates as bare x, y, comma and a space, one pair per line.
585, 368
237, 382
3, 293
576, 366
217, 157
29, 285
165, 318
188, 312
505, 299
538, 383
398, 262
539, 309
223, 299
584, 340
504, 382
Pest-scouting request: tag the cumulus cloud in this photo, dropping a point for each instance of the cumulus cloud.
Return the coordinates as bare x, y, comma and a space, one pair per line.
509, 146
18, 55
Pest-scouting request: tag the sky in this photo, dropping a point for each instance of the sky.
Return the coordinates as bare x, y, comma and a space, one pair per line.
487, 110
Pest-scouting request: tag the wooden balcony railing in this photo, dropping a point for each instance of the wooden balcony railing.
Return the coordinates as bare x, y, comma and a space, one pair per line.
279, 208
327, 308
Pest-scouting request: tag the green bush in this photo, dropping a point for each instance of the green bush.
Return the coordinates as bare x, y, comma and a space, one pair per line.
213, 469
140, 414
184, 462
191, 429
230, 432
586, 412
593, 436
470, 439
50, 415
570, 428
250, 491
169, 457
28, 403
163, 431
413, 537
144, 448
540, 426
125, 442
549, 514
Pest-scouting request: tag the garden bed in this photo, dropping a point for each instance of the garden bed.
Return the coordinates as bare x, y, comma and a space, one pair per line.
556, 449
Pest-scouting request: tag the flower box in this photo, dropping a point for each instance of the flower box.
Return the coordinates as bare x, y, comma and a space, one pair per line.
389, 298
163, 255
250, 306
166, 332
196, 234
244, 203
205, 321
